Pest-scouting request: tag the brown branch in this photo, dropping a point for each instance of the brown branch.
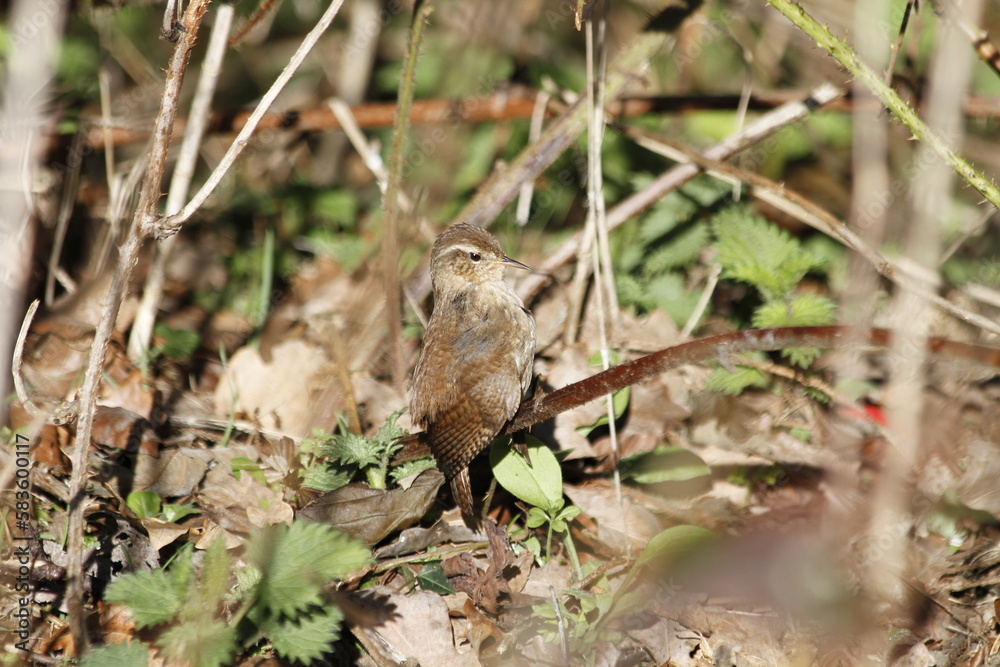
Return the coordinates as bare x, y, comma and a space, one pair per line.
723, 346
517, 104
816, 217
677, 176
143, 220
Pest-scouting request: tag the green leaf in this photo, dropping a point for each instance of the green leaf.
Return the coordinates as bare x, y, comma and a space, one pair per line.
755, 251
664, 464
325, 477
339, 206
356, 449
306, 638
432, 578
239, 464
807, 310
734, 383
538, 484
672, 544
200, 643
174, 513
619, 403
178, 344
215, 575
410, 468
132, 654
804, 310
681, 251
151, 596
297, 561
536, 517
145, 504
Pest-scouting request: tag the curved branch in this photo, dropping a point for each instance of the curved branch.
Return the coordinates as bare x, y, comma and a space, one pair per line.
715, 347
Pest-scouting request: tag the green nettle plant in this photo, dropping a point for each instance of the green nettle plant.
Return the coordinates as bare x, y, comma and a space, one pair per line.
199, 617
761, 254
334, 460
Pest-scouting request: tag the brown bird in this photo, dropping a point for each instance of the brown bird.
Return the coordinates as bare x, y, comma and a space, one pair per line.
476, 362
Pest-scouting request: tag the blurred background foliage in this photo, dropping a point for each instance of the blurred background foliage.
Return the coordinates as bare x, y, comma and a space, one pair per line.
313, 190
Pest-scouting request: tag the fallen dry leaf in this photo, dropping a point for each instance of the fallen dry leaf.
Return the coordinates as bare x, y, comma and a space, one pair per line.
371, 514
621, 527
421, 630
161, 533
280, 393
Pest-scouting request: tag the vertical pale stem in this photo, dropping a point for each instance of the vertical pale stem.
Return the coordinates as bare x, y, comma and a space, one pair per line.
23, 120
180, 182
930, 197
390, 203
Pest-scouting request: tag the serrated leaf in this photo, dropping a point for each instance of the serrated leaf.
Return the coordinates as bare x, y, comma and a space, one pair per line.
733, 383
682, 250
803, 311
432, 578
364, 452
410, 468
306, 638
215, 574
325, 477
132, 654
145, 504
664, 464
151, 596
755, 251
178, 344
297, 561
538, 484
200, 643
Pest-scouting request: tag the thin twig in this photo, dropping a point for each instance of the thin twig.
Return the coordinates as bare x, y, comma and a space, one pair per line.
22, 394
674, 178
721, 346
390, 207
180, 182
560, 626
534, 131
128, 255
847, 57
604, 283
170, 224
514, 104
899, 41
820, 219
706, 295
73, 162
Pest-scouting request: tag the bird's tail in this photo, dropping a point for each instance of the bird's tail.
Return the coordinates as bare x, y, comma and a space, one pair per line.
462, 492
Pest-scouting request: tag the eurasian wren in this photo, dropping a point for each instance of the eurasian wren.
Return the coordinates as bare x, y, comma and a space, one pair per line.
476, 362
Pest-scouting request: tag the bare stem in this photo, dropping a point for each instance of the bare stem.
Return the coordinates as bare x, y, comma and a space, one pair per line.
390, 204
127, 258
674, 178
170, 224
849, 58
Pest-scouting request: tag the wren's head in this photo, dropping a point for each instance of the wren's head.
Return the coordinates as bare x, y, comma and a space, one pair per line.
465, 255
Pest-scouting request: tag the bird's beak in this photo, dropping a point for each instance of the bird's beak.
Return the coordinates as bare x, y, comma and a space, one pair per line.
513, 262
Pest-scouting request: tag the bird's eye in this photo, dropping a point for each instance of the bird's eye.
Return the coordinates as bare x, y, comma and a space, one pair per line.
475, 256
